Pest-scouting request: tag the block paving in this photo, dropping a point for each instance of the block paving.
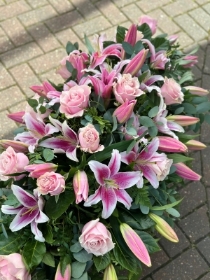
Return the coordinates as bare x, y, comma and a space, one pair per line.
33, 35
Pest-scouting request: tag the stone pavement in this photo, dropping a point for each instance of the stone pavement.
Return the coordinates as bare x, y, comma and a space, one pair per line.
33, 35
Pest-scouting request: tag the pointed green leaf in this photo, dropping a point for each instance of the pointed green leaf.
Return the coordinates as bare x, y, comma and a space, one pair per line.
101, 262
33, 253
77, 269
164, 207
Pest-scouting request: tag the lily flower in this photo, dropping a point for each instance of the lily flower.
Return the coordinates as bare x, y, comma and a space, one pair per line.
112, 184
63, 144
152, 165
29, 212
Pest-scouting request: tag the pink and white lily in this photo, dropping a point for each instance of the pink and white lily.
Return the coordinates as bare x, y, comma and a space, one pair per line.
152, 165
29, 212
112, 184
37, 129
98, 57
63, 144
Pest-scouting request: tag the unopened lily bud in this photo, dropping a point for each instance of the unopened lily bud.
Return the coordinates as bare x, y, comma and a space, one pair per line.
163, 228
135, 244
19, 147
197, 90
124, 111
195, 145
136, 63
185, 172
183, 120
171, 145
110, 273
130, 38
17, 116
172, 39
81, 186
67, 273
37, 170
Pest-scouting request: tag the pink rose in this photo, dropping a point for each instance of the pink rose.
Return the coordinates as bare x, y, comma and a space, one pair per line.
51, 183
171, 91
13, 268
77, 60
74, 101
126, 87
150, 21
89, 139
12, 162
95, 238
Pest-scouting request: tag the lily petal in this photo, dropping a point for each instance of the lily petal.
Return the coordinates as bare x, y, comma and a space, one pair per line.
38, 234
100, 170
10, 210
150, 175
125, 180
23, 218
128, 158
94, 198
124, 198
41, 218
114, 164
69, 134
56, 143
148, 152
33, 125
25, 198
109, 201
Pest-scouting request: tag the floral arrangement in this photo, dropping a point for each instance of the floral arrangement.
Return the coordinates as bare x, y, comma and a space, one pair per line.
92, 173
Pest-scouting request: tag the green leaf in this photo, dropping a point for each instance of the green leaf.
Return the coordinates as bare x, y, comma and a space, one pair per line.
203, 107
189, 108
77, 269
145, 29
9, 245
54, 210
64, 261
120, 34
69, 66
131, 131
33, 102
178, 158
42, 109
167, 206
144, 209
200, 99
146, 121
47, 233
48, 154
153, 112
173, 212
83, 277
160, 43
82, 256
70, 47
76, 248
89, 45
149, 241
153, 131
101, 262
33, 253
48, 259
128, 48
187, 76
207, 118
138, 47
179, 110
136, 220
130, 147
106, 153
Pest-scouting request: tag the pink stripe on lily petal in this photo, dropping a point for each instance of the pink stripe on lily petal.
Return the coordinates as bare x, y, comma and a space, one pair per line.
23, 218
148, 152
55, 143
135, 244
69, 133
33, 125
125, 180
124, 198
114, 164
109, 201
100, 170
25, 198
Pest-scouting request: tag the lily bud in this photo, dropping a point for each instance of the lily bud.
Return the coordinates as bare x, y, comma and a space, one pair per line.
110, 273
197, 90
124, 111
195, 145
19, 147
163, 228
81, 186
191, 59
185, 172
135, 244
172, 39
17, 116
36, 170
136, 63
130, 38
67, 273
183, 120
171, 145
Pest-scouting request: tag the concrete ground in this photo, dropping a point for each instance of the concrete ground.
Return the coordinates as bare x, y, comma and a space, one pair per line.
33, 35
